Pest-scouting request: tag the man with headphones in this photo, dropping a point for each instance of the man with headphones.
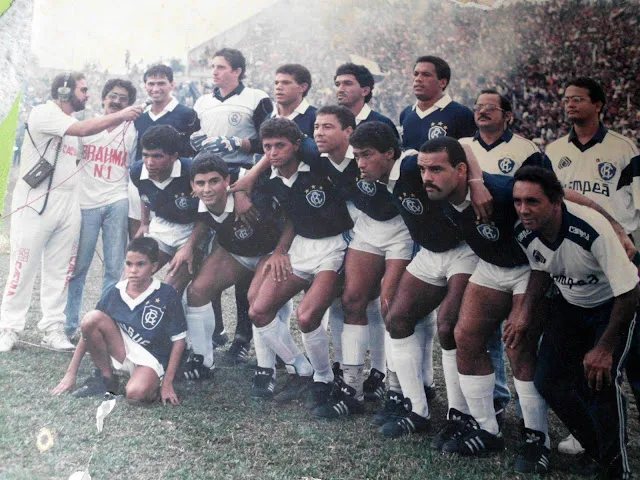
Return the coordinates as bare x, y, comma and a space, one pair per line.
45, 213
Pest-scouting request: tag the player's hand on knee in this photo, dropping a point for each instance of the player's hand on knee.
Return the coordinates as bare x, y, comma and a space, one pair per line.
597, 367
279, 265
515, 331
184, 255
67, 383
221, 144
167, 393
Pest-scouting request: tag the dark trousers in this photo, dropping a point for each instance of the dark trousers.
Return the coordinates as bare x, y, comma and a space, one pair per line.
596, 419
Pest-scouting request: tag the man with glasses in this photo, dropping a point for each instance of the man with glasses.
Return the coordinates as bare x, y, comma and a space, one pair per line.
104, 159
604, 166
434, 114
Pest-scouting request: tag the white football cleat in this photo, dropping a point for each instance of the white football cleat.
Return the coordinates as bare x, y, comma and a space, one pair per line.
57, 340
570, 446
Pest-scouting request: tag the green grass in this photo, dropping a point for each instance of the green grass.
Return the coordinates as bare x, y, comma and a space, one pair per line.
217, 432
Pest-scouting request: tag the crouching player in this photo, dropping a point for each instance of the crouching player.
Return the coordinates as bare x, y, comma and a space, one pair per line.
138, 327
234, 259
588, 335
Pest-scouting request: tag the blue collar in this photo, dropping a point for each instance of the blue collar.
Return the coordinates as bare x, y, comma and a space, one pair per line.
235, 91
597, 138
506, 137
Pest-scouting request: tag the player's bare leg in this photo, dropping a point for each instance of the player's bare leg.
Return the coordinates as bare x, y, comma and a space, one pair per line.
143, 385
103, 340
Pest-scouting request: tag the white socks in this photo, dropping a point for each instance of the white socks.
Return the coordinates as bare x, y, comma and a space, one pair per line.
316, 344
376, 335
407, 359
534, 408
478, 390
201, 324
334, 317
455, 397
277, 337
426, 330
354, 348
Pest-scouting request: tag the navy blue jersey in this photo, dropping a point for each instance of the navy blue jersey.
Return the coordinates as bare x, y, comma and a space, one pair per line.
181, 117
428, 225
154, 320
454, 120
246, 240
494, 243
378, 117
371, 198
311, 200
175, 202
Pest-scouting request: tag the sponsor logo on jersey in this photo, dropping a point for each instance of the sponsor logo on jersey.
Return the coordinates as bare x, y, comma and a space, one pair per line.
234, 119
413, 205
506, 165
368, 188
572, 282
607, 171
182, 203
489, 232
437, 130
586, 186
564, 162
579, 232
315, 197
538, 257
243, 233
151, 316
522, 235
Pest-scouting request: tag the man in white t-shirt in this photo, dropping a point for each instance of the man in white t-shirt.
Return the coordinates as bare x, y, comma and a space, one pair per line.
45, 216
104, 159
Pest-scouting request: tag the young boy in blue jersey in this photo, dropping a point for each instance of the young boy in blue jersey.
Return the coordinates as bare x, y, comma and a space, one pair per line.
587, 338
239, 248
138, 327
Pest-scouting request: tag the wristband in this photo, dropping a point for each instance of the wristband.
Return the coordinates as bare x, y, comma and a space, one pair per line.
476, 180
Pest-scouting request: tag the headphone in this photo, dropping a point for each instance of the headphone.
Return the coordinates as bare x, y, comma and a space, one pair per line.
64, 92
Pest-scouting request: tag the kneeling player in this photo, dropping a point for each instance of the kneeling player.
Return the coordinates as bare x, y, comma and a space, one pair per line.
138, 327
586, 340
239, 249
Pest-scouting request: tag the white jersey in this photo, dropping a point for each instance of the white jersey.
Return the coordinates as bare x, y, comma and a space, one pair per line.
47, 124
507, 154
602, 170
587, 261
106, 157
231, 117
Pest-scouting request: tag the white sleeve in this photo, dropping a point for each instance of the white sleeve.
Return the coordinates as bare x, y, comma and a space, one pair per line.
50, 120
621, 273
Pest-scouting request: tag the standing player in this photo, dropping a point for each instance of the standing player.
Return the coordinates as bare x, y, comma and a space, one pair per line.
105, 159
586, 340
137, 327
292, 85
602, 165
230, 119
46, 215
163, 110
319, 216
434, 114
354, 89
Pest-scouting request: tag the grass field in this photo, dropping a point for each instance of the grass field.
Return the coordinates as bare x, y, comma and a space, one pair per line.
217, 432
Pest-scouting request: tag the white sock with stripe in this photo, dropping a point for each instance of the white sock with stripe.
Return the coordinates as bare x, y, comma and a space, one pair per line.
534, 408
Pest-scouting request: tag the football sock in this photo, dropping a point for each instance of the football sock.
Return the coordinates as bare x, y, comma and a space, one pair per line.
478, 390
426, 331
335, 316
407, 359
534, 408
354, 348
200, 326
376, 335
455, 397
316, 344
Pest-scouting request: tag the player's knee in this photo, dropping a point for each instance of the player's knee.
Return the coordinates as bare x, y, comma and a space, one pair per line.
136, 394
400, 326
446, 331
466, 337
197, 295
90, 322
259, 317
354, 302
308, 319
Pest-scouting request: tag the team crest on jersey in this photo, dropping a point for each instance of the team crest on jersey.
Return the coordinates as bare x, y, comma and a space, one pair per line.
489, 232
234, 119
538, 257
412, 205
437, 130
151, 316
506, 165
368, 188
607, 171
315, 196
182, 203
243, 233
564, 162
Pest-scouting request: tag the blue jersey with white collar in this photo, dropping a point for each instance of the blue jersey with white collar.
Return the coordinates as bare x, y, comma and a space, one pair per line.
246, 240
154, 319
494, 243
428, 225
175, 202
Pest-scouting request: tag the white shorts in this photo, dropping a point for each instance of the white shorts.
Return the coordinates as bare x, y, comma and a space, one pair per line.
250, 263
308, 256
437, 268
136, 355
389, 239
354, 213
170, 235
509, 280
134, 201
